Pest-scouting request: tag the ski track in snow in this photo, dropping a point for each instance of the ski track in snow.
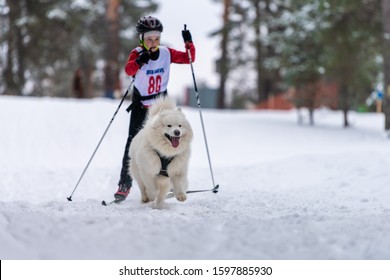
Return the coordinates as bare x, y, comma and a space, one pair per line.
286, 191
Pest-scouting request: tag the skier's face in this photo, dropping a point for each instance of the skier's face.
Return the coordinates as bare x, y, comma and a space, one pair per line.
152, 42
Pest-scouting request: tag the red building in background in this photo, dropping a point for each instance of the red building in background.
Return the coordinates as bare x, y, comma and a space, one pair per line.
321, 94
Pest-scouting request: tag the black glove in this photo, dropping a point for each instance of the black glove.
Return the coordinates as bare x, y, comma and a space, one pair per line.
186, 36
143, 58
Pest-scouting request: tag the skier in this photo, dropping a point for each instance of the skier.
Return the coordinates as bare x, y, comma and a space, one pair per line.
149, 64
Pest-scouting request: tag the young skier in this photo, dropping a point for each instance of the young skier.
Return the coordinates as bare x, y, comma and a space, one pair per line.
149, 64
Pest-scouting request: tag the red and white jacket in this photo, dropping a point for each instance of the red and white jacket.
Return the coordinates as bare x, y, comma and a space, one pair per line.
153, 77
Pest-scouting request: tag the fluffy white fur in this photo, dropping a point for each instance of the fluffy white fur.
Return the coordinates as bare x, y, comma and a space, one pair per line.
167, 131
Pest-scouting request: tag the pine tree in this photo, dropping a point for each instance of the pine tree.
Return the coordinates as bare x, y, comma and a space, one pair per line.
351, 47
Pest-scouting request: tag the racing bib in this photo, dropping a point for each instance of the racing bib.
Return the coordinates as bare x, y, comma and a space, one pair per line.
153, 77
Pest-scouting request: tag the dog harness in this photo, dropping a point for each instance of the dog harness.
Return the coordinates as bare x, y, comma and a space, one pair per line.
164, 164
138, 98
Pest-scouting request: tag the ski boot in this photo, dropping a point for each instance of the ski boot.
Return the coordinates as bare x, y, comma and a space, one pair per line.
122, 193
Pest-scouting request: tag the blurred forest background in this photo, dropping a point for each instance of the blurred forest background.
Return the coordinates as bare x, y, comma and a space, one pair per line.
298, 48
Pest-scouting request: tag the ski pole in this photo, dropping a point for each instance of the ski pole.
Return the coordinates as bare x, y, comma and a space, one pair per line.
101, 139
215, 188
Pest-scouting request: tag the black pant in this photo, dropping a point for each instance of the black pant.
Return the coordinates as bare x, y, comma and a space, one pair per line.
137, 118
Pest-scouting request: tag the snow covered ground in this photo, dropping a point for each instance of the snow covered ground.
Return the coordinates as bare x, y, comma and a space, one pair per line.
286, 191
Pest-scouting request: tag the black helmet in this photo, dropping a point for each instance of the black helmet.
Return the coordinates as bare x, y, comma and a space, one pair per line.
147, 24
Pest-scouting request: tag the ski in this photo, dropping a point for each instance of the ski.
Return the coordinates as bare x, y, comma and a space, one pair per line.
169, 195
115, 201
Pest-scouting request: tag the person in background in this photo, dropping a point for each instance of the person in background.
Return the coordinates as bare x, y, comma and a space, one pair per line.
110, 71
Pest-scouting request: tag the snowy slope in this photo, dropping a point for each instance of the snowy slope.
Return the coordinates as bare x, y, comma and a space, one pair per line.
287, 191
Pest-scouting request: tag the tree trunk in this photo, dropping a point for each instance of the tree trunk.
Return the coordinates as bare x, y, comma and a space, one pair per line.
311, 100
386, 56
10, 77
344, 95
223, 66
262, 94
112, 47
21, 60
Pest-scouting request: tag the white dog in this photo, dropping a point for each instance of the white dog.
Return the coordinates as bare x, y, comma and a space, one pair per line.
160, 152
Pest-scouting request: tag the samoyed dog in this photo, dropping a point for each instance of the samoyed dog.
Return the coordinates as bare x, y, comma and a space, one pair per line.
160, 153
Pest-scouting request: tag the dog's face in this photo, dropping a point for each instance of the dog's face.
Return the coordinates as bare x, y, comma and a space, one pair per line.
174, 126
172, 130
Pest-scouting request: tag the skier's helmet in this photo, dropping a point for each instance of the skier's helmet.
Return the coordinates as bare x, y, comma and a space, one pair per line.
149, 23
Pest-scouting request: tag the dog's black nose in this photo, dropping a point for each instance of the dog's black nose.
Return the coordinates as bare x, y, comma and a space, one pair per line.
177, 132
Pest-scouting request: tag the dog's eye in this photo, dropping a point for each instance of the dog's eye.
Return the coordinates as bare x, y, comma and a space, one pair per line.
179, 125
169, 125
